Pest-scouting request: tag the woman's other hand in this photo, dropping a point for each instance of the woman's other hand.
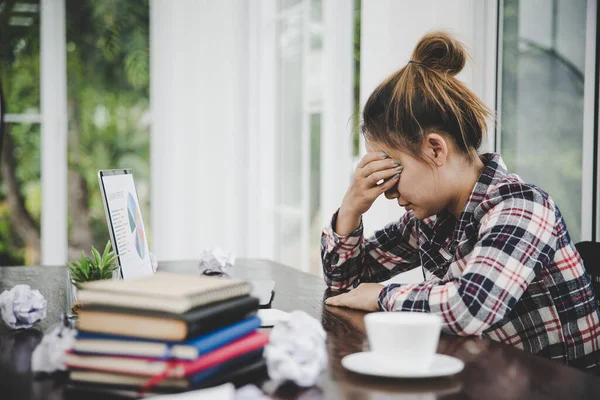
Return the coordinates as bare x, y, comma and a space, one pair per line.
364, 297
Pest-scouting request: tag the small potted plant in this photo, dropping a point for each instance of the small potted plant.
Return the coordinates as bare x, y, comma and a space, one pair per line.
87, 269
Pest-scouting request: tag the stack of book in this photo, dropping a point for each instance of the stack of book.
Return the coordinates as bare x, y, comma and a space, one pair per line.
167, 333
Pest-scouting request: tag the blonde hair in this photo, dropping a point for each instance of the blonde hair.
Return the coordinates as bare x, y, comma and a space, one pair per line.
425, 96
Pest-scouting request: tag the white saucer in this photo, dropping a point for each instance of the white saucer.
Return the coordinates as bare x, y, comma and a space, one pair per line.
368, 363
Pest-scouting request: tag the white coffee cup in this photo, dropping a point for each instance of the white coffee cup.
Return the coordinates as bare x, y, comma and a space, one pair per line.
406, 339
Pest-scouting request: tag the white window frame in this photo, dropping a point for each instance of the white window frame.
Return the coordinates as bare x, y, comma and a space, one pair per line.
590, 116
261, 129
52, 119
337, 147
303, 211
53, 106
485, 52
28, 118
498, 109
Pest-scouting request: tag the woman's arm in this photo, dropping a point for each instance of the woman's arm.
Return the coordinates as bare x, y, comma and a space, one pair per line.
351, 259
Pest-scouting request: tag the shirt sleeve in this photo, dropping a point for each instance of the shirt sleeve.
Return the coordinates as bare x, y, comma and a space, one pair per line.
516, 238
352, 259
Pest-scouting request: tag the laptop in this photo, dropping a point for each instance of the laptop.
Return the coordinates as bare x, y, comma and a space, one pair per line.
127, 233
125, 222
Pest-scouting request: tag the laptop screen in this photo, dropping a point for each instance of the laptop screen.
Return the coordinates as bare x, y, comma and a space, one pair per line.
125, 222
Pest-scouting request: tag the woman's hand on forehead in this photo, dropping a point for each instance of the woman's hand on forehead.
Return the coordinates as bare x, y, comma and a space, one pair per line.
393, 192
376, 173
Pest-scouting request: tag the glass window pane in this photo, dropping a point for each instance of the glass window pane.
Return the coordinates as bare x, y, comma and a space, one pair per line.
20, 196
290, 112
288, 241
20, 56
356, 116
108, 105
543, 52
314, 67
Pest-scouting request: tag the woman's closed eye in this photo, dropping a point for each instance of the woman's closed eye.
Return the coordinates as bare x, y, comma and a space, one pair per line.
393, 193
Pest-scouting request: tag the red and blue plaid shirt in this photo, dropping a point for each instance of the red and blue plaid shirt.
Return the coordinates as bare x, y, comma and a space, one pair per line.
506, 269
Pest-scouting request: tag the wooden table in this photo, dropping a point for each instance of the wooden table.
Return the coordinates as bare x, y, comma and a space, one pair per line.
493, 370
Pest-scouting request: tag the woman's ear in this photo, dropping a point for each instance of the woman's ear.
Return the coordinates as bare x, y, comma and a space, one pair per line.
436, 148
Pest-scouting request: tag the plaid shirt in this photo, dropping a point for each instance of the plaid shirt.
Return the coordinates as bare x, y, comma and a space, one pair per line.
506, 269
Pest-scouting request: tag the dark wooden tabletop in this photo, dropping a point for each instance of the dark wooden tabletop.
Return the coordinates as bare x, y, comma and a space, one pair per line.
492, 371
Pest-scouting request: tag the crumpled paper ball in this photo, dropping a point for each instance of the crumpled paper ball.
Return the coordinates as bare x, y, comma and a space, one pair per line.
296, 351
21, 307
216, 259
50, 355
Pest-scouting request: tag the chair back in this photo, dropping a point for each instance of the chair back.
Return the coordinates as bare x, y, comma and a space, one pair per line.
590, 254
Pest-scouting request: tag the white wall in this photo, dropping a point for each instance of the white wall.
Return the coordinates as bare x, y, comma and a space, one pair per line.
390, 31
198, 98
210, 142
53, 102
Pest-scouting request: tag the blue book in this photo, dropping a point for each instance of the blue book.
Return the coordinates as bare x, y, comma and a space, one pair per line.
95, 343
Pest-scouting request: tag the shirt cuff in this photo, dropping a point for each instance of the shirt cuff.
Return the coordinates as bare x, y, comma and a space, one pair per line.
406, 296
335, 241
383, 301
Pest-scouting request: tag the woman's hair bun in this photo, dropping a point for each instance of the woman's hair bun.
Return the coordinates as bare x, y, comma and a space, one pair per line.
441, 52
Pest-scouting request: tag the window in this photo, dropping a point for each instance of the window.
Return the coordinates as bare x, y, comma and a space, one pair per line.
107, 107
20, 186
316, 93
107, 103
299, 102
543, 48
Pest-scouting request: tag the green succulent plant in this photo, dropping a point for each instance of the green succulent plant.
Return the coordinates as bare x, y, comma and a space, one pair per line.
94, 268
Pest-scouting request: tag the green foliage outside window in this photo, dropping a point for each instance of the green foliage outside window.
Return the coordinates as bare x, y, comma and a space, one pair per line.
107, 47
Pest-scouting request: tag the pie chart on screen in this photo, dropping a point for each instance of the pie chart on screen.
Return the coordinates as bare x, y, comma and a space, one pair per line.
136, 225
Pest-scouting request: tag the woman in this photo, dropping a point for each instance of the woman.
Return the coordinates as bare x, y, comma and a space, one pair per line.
501, 260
